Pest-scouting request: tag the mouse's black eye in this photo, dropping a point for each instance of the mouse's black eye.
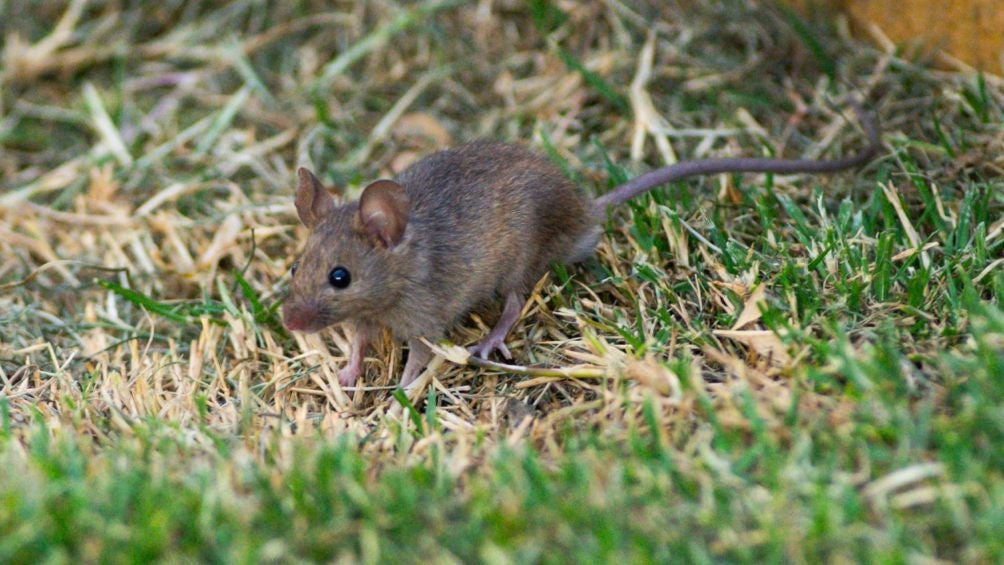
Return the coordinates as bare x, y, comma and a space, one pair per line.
339, 277
292, 270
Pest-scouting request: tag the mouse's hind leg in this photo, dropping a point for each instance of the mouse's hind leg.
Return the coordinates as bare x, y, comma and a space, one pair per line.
495, 340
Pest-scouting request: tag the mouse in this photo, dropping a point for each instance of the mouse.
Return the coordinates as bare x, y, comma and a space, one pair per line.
462, 227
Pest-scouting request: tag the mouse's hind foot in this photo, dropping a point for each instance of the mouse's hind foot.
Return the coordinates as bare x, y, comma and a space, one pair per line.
495, 340
485, 347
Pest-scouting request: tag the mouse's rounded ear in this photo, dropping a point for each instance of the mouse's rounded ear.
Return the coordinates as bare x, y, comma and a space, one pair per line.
383, 212
313, 201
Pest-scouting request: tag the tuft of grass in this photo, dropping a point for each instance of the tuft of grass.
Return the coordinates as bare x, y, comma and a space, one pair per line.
180, 314
812, 42
604, 89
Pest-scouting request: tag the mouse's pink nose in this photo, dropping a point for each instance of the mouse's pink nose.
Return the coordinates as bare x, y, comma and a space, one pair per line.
292, 321
301, 316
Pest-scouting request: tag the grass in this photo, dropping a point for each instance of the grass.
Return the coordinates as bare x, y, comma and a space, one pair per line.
753, 368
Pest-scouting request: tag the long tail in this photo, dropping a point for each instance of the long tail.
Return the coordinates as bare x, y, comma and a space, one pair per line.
652, 179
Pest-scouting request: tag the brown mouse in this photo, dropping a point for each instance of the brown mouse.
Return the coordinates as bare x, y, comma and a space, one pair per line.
475, 223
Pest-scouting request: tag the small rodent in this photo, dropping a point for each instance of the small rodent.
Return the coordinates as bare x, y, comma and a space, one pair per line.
461, 227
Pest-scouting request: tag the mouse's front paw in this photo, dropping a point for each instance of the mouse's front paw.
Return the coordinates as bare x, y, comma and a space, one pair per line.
409, 375
348, 376
485, 347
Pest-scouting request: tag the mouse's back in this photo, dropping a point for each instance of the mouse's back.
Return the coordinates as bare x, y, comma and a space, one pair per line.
487, 219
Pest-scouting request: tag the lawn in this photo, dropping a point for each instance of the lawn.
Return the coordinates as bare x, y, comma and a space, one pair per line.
751, 368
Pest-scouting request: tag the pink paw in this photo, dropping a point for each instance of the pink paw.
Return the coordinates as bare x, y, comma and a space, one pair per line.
348, 376
485, 347
409, 375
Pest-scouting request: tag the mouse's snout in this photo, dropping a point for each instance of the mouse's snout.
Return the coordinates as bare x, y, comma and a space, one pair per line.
304, 316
